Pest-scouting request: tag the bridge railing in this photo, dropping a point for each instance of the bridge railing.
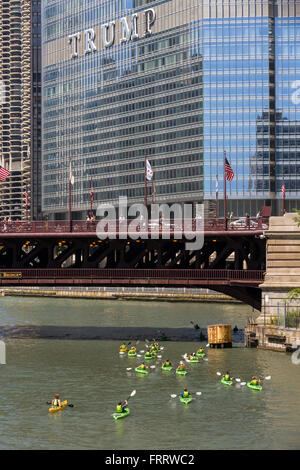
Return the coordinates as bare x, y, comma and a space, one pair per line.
120, 273
154, 226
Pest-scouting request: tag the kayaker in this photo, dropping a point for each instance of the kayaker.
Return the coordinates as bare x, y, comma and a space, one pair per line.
254, 381
56, 402
121, 406
200, 351
123, 347
132, 350
142, 366
185, 393
181, 366
148, 354
167, 363
227, 377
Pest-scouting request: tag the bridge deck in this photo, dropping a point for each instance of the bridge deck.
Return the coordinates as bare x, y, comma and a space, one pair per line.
239, 227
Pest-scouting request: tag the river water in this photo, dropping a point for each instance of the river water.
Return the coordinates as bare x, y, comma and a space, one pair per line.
92, 376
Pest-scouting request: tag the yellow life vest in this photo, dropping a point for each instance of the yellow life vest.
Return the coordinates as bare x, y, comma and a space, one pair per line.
119, 409
186, 394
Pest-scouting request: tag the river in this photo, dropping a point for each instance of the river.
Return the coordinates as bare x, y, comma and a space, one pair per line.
93, 377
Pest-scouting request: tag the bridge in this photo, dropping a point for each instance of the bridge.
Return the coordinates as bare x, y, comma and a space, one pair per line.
232, 259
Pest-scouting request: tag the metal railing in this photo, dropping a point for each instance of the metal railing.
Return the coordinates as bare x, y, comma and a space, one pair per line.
117, 273
160, 227
286, 316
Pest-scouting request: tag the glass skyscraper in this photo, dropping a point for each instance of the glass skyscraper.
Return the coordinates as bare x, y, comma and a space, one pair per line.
178, 81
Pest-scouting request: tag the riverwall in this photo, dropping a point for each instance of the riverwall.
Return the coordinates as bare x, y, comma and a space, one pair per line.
142, 294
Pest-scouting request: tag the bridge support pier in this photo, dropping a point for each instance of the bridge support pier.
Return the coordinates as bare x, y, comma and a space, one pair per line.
273, 328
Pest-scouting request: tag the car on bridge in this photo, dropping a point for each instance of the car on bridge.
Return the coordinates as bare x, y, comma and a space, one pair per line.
242, 224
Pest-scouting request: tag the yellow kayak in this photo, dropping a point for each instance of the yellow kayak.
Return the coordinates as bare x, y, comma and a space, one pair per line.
59, 408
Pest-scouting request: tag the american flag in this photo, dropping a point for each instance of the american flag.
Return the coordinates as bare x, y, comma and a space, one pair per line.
3, 173
228, 171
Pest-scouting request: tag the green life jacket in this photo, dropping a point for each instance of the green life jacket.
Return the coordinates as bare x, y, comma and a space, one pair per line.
167, 364
142, 367
227, 377
254, 382
119, 409
56, 402
186, 394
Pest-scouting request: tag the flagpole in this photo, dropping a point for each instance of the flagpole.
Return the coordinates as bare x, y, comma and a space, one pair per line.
217, 201
153, 189
225, 209
26, 201
70, 198
146, 181
91, 197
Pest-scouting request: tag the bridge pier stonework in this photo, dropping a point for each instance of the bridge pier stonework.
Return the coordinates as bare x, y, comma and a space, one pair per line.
282, 275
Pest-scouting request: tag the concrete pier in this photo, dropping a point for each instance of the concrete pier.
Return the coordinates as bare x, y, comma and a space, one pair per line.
282, 275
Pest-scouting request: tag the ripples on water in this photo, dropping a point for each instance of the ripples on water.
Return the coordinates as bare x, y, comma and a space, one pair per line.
92, 376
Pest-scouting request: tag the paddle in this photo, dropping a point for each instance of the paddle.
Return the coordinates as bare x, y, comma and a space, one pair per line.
238, 380
130, 368
69, 404
131, 395
197, 393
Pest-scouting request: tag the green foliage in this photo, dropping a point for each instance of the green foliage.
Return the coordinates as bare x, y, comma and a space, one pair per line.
293, 294
273, 321
292, 318
297, 219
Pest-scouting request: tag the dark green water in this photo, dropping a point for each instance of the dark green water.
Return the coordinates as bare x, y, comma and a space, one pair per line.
92, 376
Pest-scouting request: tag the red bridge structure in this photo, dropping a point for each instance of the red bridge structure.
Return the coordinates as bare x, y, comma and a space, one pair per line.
47, 253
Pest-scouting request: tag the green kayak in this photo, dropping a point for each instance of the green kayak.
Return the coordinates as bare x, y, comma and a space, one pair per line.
186, 400
141, 371
254, 387
181, 372
201, 354
133, 354
167, 369
226, 382
192, 361
148, 358
122, 415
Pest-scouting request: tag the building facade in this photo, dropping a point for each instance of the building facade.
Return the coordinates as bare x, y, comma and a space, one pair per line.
177, 81
20, 107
